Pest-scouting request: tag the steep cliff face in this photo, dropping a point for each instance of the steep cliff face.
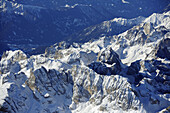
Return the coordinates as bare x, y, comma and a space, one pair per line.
129, 72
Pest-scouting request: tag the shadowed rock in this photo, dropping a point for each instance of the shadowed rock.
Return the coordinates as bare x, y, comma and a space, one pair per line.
134, 68
109, 56
164, 49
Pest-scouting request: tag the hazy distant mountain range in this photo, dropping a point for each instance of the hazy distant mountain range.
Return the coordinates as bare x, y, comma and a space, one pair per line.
31, 24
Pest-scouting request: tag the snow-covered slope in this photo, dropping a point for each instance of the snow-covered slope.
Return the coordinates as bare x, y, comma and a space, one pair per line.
129, 72
137, 42
106, 28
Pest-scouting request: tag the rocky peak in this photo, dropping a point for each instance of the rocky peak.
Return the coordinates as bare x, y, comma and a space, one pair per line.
14, 55
148, 27
108, 56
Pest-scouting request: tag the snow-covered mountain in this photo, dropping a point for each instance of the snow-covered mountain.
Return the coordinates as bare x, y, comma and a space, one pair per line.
29, 24
128, 72
106, 28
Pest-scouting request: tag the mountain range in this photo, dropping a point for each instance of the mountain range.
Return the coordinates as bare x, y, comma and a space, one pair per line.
126, 70
27, 25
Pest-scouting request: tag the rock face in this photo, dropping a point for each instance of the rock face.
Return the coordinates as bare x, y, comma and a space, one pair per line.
100, 68
108, 62
109, 56
96, 89
134, 68
129, 72
163, 50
